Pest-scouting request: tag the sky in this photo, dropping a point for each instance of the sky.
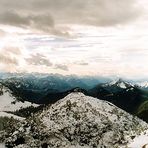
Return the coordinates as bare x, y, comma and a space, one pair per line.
82, 37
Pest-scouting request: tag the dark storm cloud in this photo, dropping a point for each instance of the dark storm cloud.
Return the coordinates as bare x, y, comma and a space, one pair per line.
42, 22
61, 67
12, 18
44, 15
38, 59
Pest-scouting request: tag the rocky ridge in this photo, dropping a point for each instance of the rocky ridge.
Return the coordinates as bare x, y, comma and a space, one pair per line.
77, 121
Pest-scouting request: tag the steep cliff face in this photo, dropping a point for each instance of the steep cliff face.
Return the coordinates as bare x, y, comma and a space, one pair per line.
78, 121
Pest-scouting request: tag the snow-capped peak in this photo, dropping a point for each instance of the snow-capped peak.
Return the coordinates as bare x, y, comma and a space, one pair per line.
143, 84
82, 121
120, 83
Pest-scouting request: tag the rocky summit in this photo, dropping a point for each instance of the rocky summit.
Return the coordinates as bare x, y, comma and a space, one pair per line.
77, 121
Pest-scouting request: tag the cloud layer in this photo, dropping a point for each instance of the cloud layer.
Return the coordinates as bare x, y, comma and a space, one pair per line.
12, 59
45, 15
107, 48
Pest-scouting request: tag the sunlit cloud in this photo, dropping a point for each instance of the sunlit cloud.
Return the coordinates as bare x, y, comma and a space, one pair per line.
8, 60
11, 50
2, 33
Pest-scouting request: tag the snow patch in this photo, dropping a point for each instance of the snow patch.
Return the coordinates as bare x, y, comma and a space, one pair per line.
6, 103
140, 141
4, 114
121, 85
2, 145
143, 84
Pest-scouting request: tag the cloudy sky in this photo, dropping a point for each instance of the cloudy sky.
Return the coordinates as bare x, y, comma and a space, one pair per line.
83, 37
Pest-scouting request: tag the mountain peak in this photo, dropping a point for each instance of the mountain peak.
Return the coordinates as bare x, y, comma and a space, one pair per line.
120, 83
78, 120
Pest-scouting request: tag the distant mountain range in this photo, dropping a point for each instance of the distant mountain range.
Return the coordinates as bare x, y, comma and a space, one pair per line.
47, 89
132, 98
33, 87
120, 93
